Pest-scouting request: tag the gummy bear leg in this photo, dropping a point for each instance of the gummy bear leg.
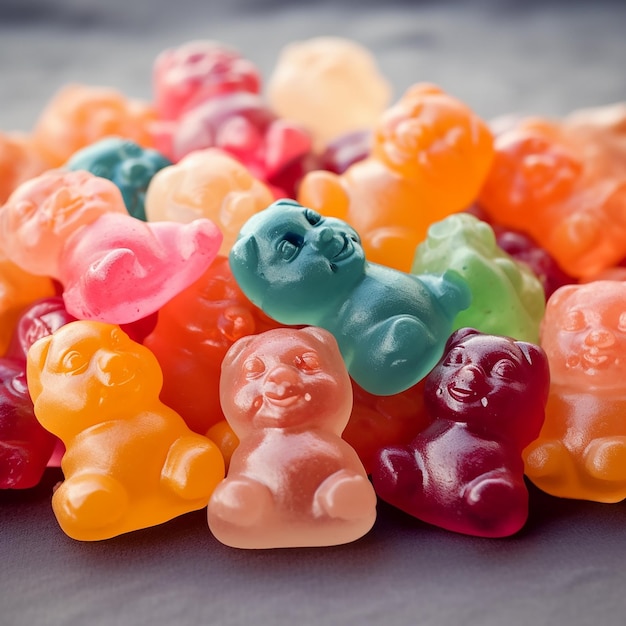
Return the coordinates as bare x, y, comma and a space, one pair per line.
90, 501
193, 467
345, 495
240, 501
605, 458
546, 459
498, 502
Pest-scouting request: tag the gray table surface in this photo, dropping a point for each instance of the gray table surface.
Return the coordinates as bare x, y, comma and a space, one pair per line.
565, 568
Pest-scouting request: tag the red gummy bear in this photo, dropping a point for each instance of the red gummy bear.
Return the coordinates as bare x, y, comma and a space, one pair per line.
465, 471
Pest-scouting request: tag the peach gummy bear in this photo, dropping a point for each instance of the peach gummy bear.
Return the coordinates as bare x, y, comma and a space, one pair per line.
581, 450
130, 461
207, 183
292, 481
429, 158
19, 161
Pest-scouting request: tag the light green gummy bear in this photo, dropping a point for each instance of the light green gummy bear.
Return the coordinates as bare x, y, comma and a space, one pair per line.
507, 298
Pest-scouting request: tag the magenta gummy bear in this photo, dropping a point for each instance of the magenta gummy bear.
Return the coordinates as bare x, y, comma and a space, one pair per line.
465, 472
120, 269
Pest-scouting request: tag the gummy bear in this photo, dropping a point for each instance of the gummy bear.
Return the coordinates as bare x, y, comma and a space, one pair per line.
465, 472
292, 480
207, 183
42, 214
331, 85
581, 450
420, 144
549, 185
303, 268
194, 331
79, 115
507, 298
124, 162
197, 71
119, 269
130, 461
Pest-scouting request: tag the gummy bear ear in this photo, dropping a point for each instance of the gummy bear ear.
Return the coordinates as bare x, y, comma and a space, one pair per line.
36, 361
561, 294
320, 334
236, 349
244, 255
460, 335
537, 359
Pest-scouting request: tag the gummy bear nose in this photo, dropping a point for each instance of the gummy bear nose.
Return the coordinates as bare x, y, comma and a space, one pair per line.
600, 338
470, 377
283, 375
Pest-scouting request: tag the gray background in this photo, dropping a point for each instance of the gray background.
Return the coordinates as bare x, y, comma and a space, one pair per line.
567, 567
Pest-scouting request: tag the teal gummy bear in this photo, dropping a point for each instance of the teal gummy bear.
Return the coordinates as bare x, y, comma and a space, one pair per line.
507, 298
305, 269
125, 163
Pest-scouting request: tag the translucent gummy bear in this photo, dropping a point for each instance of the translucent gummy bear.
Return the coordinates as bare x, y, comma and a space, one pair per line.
19, 161
465, 472
507, 298
303, 268
581, 450
292, 481
420, 144
329, 84
120, 269
207, 183
42, 214
124, 162
79, 115
130, 461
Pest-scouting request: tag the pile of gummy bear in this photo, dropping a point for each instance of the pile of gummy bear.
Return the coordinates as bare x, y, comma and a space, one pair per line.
286, 303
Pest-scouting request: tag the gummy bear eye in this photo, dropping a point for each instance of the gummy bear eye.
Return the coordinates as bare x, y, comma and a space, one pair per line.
307, 362
73, 362
504, 368
621, 323
574, 320
312, 217
254, 367
289, 246
456, 356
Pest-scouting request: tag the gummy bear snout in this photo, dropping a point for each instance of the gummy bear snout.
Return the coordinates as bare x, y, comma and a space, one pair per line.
282, 385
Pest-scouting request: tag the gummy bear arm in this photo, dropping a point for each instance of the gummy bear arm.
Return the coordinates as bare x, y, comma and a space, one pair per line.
324, 192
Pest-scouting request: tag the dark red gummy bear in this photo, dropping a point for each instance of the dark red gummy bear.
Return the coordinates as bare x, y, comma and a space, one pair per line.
465, 472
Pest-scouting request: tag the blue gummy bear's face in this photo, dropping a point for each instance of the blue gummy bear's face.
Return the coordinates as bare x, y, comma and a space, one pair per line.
289, 258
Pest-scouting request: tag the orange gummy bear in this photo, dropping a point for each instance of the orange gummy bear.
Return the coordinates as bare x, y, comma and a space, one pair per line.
429, 158
130, 461
581, 450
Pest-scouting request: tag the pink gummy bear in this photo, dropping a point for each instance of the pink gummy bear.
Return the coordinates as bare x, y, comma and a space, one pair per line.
120, 269
465, 471
42, 213
198, 70
292, 481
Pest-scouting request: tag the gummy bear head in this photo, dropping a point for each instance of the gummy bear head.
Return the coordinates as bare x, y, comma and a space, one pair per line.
288, 379
87, 373
494, 384
197, 71
295, 264
584, 335
124, 162
43, 213
208, 183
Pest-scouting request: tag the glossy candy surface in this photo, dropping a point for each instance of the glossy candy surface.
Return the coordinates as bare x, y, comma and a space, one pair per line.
292, 480
420, 144
581, 450
207, 183
124, 162
330, 85
130, 461
43, 212
194, 331
507, 298
19, 161
464, 472
303, 268
119, 269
